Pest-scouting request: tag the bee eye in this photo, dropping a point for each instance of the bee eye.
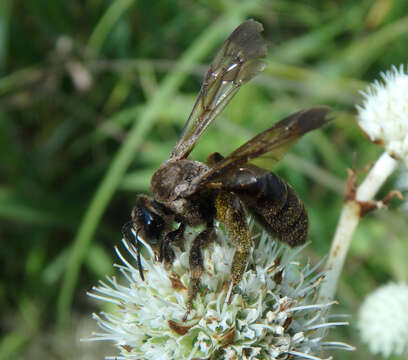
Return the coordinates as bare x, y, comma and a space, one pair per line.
151, 223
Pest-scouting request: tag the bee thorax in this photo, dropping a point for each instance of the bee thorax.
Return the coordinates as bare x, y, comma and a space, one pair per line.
174, 178
171, 181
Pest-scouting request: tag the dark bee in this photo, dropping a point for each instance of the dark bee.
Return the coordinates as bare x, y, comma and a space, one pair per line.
192, 193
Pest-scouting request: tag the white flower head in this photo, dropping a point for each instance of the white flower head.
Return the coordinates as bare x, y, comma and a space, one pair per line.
383, 320
384, 113
272, 314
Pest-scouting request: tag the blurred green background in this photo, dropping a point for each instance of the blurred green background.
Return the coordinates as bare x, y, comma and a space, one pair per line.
93, 95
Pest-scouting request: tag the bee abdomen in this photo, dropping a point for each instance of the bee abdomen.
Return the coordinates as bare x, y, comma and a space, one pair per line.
285, 218
291, 224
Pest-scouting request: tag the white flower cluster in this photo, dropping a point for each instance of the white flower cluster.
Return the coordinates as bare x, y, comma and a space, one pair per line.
384, 114
272, 314
383, 320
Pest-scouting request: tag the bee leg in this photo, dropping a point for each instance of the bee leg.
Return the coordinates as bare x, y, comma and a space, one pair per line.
202, 240
173, 237
213, 159
232, 215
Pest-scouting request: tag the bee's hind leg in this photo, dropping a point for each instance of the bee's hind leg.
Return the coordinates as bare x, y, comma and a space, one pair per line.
230, 212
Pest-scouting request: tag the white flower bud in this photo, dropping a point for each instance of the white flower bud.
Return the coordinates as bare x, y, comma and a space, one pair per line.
384, 113
383, 320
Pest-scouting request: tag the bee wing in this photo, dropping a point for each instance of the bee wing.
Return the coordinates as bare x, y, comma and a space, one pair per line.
236, 62
272, 143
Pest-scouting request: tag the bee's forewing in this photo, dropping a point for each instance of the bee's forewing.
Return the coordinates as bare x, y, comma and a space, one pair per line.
238, 61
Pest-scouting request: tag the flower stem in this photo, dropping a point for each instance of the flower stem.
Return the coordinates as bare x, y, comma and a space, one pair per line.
377, 176
349, 218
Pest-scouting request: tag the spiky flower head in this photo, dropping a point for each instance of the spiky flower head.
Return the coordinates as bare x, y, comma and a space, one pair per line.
384, 113
383, 320
272, 314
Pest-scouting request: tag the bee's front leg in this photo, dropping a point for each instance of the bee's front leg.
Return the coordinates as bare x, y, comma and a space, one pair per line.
231, 213
202, 240
173, 237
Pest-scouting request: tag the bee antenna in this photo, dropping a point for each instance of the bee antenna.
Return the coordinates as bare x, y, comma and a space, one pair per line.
125, 230
139, 261
125, 233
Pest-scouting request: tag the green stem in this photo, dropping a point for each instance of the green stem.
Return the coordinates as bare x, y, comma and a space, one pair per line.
5, 14
201, 47
106, 23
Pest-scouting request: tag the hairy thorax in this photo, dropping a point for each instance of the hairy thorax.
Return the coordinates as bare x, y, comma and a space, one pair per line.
172, 179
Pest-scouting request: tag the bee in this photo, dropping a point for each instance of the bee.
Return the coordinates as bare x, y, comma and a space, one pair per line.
192, 193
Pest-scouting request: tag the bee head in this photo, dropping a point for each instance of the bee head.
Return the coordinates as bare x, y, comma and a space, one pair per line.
149, 221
